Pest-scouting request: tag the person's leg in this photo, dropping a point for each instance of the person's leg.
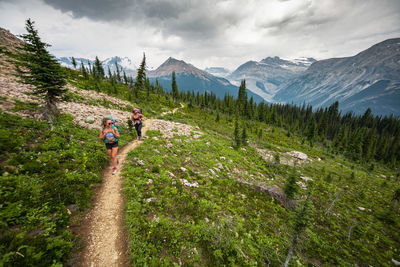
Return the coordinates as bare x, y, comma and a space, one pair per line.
137, 129
140, 131
109, 150
114, 156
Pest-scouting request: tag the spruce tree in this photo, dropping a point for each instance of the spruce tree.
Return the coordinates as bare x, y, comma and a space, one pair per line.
35, 66
242, 97
174, 87
73, 62
291, 188
98, 70
90, 68
236, 138
243, 139
303, 217
141, 76
118, 72
259, 135
125, 79
217, 117
83, 71
110, 76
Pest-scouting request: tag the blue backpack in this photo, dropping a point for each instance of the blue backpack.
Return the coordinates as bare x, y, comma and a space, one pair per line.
110, 138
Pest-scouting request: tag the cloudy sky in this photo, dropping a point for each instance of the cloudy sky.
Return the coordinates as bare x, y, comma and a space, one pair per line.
206, 33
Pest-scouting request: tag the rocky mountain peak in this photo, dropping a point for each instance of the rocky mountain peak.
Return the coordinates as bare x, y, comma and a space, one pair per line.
179, 66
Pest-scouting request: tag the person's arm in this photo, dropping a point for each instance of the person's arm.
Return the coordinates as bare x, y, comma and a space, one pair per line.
102, 135
116, 132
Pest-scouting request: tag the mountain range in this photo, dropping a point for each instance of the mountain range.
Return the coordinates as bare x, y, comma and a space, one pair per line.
190, 78
368, 79
266, 76
125, 63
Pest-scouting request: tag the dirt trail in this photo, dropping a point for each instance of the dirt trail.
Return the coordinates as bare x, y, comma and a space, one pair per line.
105, 241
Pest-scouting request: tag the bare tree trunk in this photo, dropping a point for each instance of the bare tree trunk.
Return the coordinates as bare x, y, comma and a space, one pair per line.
291, 250
50, 111
333, 203
350, 230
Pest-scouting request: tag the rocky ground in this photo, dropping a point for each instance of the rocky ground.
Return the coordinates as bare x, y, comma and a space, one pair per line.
169, 129
87, 111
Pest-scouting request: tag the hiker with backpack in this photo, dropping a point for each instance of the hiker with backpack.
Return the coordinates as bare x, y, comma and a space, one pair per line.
137, 118
110, 135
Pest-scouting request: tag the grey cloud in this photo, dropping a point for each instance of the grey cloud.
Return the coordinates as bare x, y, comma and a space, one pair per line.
187, 19
163, 10
301, 19
100, 10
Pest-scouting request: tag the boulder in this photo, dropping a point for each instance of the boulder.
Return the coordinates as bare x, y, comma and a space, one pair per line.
298, 155
305, 178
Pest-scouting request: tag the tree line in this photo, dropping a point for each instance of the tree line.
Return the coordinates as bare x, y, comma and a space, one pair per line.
364, 137
359, 137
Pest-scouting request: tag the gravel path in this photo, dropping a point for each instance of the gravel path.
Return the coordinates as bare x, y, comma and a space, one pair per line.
104, 238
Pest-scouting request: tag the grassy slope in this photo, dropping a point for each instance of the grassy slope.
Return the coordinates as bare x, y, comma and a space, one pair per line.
218, 222
221, 222
46, 170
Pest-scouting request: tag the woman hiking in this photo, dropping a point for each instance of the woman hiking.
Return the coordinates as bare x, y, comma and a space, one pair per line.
110, 135
137, 118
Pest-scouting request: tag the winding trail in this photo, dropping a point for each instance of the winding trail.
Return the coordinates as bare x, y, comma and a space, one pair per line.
102, 228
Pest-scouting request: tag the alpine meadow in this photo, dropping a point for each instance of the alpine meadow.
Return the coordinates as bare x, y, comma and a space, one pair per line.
221, 177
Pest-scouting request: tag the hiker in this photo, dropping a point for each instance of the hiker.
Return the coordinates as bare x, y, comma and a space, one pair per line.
110, 135
137, 118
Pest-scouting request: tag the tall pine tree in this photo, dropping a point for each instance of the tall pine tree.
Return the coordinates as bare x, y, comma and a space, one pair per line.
174, 87
141, 76
35, 66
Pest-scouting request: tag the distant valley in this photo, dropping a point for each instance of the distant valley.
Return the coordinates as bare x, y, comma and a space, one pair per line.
368, 79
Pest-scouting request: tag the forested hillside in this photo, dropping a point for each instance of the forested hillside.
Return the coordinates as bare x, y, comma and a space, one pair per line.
222, 182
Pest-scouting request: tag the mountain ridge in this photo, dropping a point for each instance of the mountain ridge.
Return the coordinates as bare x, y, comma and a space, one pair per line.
189, 78
264, 77
371, 78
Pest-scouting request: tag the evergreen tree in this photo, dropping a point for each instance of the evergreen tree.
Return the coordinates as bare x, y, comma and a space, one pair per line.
236, 138
311, 131
217, 117
110, 76
243, 139
148, 88
259, 135
35, 66
174, 86
291, 188
90, 68
73, 62
83, 71
242, 97
141, 76
98, 70
303, 217
118, 72
125, 79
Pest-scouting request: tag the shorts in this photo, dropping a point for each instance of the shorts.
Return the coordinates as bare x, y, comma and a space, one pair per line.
111, 145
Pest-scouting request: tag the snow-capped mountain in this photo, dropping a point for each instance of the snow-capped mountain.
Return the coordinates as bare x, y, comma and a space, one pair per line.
218, 71
266, 76
190, 78
125, 63
368, 79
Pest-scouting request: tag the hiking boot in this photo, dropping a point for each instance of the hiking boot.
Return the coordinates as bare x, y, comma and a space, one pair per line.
139, 138
114, 170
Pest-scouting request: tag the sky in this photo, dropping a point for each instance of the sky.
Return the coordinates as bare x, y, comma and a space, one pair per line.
205, 33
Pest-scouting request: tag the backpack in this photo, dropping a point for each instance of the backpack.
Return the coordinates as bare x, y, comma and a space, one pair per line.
110, 138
